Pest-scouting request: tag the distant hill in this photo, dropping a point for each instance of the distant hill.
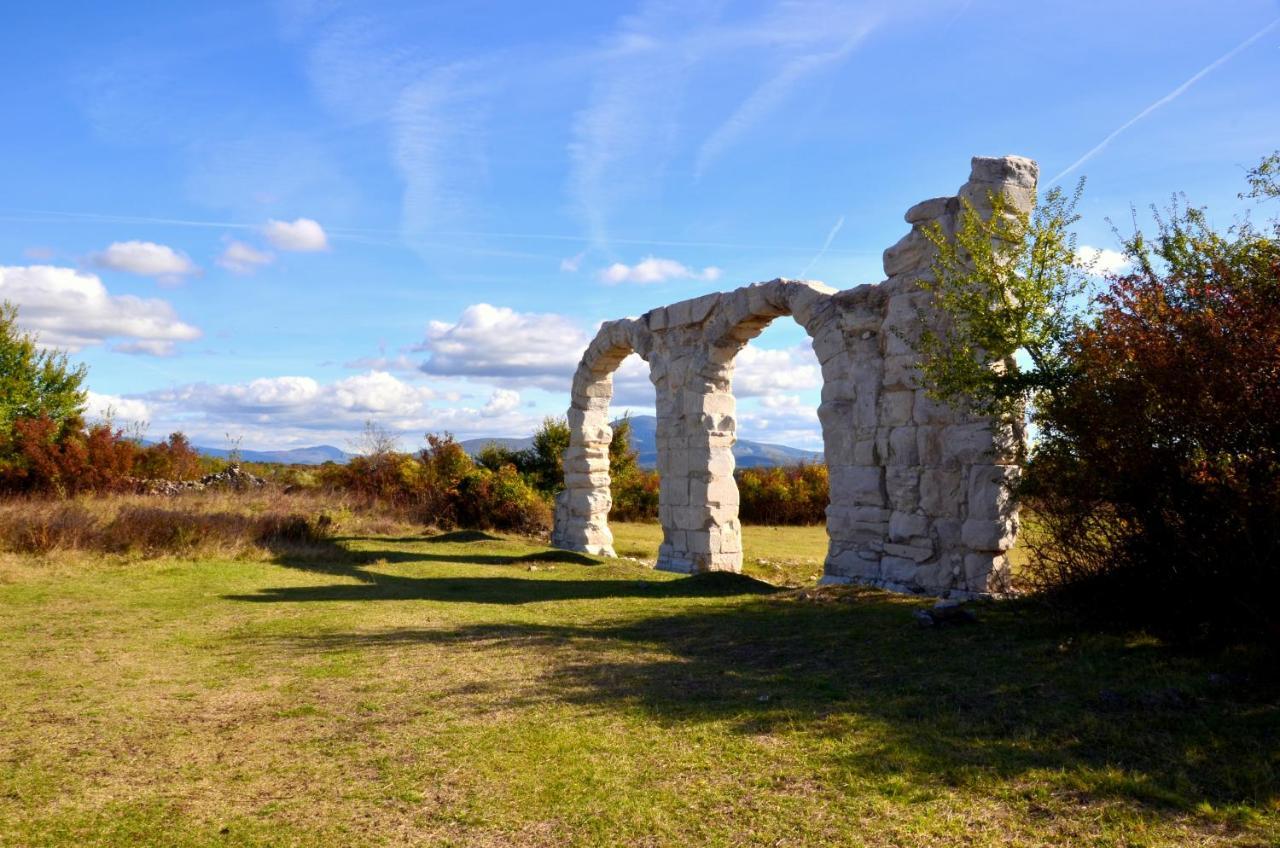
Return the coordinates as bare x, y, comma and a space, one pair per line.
315, 455
644, 431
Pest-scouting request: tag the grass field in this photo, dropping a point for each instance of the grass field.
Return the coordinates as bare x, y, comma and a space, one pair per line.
472, 690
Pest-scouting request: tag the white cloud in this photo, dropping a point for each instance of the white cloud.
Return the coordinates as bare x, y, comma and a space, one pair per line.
399, 363
760, 373
1101, 260
501, 402
498, 342
241, 258
655, 270
121, 411
782, 419
147, 259
302, 235
287, 411
71, 309
571, 264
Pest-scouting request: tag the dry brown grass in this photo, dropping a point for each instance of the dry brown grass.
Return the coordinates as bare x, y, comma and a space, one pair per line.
203, 524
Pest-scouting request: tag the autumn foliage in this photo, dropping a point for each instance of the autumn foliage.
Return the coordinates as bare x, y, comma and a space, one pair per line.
1157, 473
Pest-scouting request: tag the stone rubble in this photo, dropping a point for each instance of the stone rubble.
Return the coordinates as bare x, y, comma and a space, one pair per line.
232, 477
920, 490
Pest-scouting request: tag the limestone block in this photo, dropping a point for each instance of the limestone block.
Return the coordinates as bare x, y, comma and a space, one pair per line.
898, 569
927, 210
586, 481
981, 534
850, 564
720, 464
864, 452
985, 573
980, 196
587, 502
718, 490
726, 538
1017, 170
857, 484
990, 490
933, 579
765, 300
903, 526
828, 343
812, 308
712, 403
903, 487
837, 389
902, 324
723, 562
915, 553
895, 408
970, 444
902, 371
913, 252
947, 532
929, 442
930, 411
902, 446
942, 492
838, 368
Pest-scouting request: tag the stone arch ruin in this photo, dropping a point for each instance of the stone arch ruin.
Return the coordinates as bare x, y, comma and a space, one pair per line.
919, 494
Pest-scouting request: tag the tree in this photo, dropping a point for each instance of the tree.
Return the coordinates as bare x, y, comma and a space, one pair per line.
35, 383
1264, 178
622, 457
1157, 470
545, 465
1009, 285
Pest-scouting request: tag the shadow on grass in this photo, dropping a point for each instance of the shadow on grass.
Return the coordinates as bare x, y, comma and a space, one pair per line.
334, 559
998, 701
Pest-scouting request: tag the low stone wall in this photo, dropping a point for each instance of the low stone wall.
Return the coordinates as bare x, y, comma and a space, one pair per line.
919, 489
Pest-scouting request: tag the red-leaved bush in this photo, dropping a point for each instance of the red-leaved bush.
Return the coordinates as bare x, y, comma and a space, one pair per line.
1156, 479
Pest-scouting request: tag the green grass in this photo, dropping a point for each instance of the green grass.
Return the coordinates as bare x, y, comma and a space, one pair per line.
471, 690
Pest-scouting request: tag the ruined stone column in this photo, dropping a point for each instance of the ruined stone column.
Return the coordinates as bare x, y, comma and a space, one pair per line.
582, 509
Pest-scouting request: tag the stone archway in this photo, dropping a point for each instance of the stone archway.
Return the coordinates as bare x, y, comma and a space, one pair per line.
698, 503
920, 490
582, 509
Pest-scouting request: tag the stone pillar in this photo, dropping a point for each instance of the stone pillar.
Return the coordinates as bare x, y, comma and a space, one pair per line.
582, 509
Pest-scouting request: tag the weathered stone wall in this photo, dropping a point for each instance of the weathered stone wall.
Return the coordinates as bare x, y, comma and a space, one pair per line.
919, 489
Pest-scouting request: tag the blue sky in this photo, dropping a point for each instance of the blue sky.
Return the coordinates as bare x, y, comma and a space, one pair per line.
278, 221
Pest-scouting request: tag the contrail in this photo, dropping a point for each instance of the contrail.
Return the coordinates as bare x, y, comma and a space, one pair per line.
826, 245
1168, 98
31, 216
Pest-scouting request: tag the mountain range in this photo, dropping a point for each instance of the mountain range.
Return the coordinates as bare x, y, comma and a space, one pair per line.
644, 431
748, 453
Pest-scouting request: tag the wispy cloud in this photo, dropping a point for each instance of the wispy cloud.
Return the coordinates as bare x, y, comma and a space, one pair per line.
241, 258
1166, 100
636, 124
770, 95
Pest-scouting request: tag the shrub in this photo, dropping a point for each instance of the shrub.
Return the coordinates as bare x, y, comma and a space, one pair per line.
635, 495
172, 459
796, 494
1157, 473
